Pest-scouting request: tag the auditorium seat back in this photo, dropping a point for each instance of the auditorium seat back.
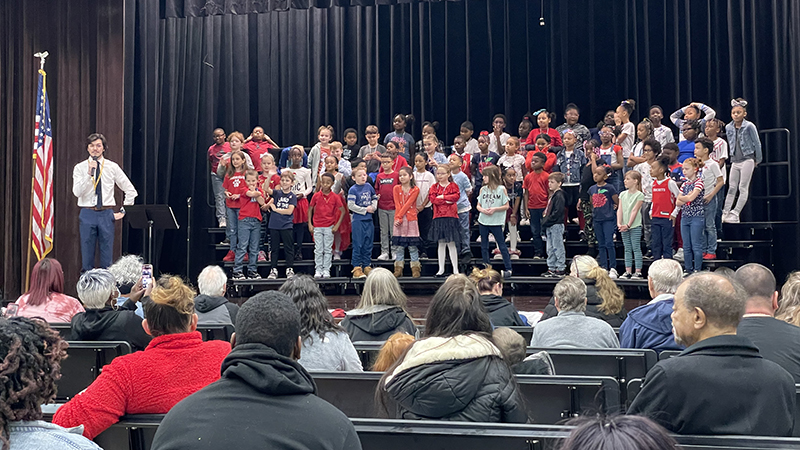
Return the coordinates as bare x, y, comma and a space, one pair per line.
548, 399
84, 363
667, 354
216, 331
64, 329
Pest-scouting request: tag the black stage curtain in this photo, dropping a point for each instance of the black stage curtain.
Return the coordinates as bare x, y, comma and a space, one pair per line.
192, 69
84, 82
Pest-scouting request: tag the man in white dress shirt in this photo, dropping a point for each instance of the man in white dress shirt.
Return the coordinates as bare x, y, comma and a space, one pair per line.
93, 183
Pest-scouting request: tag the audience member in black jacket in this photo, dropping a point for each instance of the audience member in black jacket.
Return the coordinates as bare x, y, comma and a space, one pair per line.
720, 384
103, 320
272, 397
456, 372
381, 311
605, 300
490, 285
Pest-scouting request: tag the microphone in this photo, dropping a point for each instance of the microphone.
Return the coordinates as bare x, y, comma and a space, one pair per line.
95, 158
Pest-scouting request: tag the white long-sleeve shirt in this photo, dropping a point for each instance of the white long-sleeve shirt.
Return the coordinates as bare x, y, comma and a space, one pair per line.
83, 184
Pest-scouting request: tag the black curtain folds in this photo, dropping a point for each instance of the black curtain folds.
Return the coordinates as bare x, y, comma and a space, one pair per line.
195, 65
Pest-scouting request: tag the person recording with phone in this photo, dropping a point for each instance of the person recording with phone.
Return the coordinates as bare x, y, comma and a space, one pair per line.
93, 183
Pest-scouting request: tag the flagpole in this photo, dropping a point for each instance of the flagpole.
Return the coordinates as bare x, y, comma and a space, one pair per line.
30, 228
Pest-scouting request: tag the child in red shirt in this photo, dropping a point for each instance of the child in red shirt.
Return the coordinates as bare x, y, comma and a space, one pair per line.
249, 227
234, 185
535, 197
445, 228
325, 215
385, 182
543, 146
406, 226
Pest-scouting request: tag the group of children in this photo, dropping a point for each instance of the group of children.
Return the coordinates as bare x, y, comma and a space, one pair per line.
631, 180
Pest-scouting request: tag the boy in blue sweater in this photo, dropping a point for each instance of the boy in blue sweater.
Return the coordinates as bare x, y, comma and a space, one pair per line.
362, 201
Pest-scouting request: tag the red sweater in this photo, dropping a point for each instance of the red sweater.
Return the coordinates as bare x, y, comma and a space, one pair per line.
152, 381
555, 137
444, 207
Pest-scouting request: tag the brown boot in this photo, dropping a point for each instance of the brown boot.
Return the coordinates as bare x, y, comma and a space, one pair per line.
398, 268
358, 273
416, 269
367, 270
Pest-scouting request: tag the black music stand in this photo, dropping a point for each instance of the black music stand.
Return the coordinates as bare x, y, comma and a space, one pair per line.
150, 217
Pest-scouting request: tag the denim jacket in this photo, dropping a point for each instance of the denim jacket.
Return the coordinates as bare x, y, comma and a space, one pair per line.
37, 434
577, 161
748, 139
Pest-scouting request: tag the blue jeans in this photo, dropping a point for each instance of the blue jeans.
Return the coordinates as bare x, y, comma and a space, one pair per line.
219, 197
96, 227
463, 220
661, 238
232, 230
363, 235
710, 214
720, 198
632, 239
693, 243
556, 255
607, 254
497, 232
249, 238
536, 230
400, 253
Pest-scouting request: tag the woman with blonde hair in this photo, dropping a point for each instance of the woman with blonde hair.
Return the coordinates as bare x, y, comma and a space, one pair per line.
606, 300
392, 350
381, 311
490, 285
176, 364
789, 306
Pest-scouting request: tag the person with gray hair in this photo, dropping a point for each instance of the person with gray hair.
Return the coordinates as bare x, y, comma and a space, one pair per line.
650, 325
572, 328
720, 384
777, 341
211, 306
103, 319
128, 271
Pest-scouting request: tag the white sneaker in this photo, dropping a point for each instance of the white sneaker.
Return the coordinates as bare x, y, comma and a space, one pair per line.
337, 256
273, 274
223, 223
383, 257
612, 273
394, 256
498, 256
491, 238
514, 254
326, 274
289, 273
678, 255
478, 240
733, 217
525, 222
318, 275
576, 221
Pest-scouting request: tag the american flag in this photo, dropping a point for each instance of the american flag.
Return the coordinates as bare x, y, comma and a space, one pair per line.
42, 211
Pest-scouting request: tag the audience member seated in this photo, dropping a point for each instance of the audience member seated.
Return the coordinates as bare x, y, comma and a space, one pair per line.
456, 372
103, 319
176, 364
789, 309
128, 271
618, 433
265, 399
572, 328
490, 285
392, 350
776, 340
605, 300
211, 306
30, 363
381, 311
720, 384
513, 347
650, 325
326, 346
45, 299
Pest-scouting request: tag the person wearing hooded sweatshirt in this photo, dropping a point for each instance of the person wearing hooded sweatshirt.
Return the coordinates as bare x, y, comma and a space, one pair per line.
176, 364
381, 311
271, 396
605, 300
650, 325
103, 319
490, 285
456, 372
211, 306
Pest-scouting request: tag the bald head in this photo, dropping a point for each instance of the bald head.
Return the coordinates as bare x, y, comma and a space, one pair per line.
759, 285
721, 299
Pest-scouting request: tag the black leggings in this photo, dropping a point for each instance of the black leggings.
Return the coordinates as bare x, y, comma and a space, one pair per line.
276, 237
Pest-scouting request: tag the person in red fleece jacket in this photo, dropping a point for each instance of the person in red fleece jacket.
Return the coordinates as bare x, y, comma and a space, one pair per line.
176, 364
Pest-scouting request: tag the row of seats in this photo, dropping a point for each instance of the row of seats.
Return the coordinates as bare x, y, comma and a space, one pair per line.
137, 432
